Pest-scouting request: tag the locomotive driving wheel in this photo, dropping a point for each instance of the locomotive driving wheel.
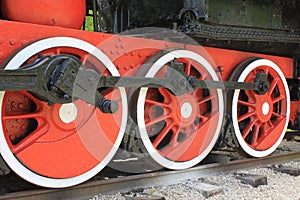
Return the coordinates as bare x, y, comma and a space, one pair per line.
60, 145
179, 131
260, 121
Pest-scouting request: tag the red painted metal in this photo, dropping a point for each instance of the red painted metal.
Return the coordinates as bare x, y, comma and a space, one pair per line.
178, 137
262, 128
47, 145
66, 13
128, 54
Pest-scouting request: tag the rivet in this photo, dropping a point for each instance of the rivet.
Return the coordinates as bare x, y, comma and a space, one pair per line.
111, 52
12, 42
132, 53
19, 121
23, 127
13, 104
140, 54
21, 105
12, 137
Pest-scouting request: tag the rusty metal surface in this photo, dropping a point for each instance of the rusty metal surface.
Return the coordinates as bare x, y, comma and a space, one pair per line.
109, 186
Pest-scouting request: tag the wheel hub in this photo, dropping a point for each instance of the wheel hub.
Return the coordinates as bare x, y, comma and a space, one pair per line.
68, 113
264, 108
186, 110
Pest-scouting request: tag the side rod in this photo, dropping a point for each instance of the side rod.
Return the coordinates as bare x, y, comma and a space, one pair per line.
63, 79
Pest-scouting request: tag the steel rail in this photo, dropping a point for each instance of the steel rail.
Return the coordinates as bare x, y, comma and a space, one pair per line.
110, 186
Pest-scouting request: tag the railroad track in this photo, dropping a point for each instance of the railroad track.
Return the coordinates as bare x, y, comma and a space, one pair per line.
121, 184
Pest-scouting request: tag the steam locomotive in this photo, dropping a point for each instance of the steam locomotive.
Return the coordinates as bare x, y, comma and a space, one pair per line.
153, 84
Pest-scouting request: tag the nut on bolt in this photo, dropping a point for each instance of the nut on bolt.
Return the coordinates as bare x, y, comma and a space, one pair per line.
108, 106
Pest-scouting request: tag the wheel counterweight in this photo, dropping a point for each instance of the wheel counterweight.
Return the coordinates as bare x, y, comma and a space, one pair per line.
60, 145
260, 121
179, 131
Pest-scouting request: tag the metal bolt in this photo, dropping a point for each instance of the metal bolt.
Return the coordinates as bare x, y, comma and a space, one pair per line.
13, 104
108, 106
12, 42
12, 137
21, 105
66, 96
23, 127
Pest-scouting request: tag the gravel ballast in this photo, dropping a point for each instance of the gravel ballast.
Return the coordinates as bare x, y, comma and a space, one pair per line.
279, 186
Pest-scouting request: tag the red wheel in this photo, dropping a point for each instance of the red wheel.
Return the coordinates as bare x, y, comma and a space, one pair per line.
179, 131
260, 121
63, 144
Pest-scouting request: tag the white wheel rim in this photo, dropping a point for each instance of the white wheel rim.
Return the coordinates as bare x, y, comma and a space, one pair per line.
161, 160
18, 60
238, 134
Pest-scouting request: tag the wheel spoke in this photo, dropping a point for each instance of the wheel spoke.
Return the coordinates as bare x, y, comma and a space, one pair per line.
188, 67
255, 135
203, 118
266, 70
245, 103
245, 116
174, 139
277, 99
277, 115
270, 124
156, 103
248, 128
205, 100
203, 77
162, 134
156, 120
273, 85
33, 115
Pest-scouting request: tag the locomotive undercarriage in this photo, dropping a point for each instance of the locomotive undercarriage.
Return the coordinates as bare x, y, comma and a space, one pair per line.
72, 98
